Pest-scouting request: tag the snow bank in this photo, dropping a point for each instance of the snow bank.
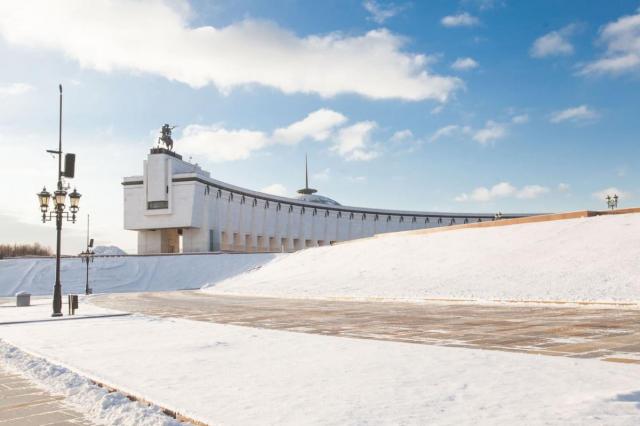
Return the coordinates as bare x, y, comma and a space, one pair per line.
109, 250
587, 259
95, 402
125, 274
232, 375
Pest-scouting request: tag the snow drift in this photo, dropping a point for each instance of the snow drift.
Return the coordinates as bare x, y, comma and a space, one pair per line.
586, 259
95, 402
109, 250
125, 274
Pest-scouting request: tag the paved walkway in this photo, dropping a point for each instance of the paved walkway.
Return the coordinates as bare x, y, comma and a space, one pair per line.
23, 404
611, 334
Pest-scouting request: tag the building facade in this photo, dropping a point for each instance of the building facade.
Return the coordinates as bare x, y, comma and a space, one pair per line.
175, 206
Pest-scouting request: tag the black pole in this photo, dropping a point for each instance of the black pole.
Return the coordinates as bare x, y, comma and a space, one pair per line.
57, 288
86, 288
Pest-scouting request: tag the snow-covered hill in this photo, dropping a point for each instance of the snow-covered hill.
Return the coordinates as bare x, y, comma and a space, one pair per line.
124, 274
587, 259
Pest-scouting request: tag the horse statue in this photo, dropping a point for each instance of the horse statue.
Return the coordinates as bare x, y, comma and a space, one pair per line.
165, 138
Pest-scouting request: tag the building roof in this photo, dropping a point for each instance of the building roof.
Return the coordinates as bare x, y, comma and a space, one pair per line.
317, 198
309, 194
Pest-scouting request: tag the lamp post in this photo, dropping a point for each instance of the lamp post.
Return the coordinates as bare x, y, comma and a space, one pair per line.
58, 211
612, 202
87, 256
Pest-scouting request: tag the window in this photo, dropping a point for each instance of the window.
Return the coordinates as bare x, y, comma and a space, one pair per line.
155, 205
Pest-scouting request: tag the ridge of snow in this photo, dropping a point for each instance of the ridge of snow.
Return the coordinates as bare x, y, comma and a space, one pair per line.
96, 403
125, 274
592, 259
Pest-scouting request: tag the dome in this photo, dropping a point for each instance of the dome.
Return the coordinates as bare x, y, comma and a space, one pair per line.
315, 198
309, 194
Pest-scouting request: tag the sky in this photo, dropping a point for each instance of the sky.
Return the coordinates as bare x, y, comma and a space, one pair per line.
460, 105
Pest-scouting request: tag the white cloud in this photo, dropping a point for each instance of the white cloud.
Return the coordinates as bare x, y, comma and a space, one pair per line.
404, 141
520, 119
437, 109
502, 190
380, 13
402, 136
575, 114
564, 187
554, 43
464, 64
611, 191
460, 20
156, 37
485, 4
622, 40
483, 194
276, 189
353, 142
318, 126
492, 131
15, 89
615, 64
448, 131
219, 144
531, 191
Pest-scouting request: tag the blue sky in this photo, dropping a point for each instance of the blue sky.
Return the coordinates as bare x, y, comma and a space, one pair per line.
464, 105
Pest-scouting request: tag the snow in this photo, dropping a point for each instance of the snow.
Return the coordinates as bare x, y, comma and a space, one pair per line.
577, 260
109, 250
587, 259
80, 393
232, 375
124, 274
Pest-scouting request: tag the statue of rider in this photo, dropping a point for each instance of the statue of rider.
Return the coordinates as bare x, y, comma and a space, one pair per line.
165, 138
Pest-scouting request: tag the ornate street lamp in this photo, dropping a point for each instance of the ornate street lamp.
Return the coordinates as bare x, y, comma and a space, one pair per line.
87, 256
58, 210
44, 198
59, 197
74, 201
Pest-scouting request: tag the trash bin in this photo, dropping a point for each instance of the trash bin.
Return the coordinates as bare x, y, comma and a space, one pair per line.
23, 299
73, 304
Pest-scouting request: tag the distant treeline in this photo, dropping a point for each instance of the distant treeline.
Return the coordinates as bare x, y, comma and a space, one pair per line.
15, 250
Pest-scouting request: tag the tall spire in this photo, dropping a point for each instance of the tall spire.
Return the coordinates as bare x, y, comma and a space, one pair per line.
306, 172
306, 189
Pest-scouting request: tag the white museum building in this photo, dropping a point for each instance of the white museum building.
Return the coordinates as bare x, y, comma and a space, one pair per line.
175, 206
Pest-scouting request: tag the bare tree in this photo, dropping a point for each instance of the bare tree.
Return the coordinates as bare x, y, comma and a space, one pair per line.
17, 250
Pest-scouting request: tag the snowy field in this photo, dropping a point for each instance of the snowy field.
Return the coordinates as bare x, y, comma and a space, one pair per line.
587, 259
125, 274
233, 375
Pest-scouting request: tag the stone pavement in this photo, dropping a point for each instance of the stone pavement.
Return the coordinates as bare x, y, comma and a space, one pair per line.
23, 404
609, 333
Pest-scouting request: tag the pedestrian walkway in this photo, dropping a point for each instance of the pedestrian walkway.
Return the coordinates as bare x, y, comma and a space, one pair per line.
24, 404
607, 333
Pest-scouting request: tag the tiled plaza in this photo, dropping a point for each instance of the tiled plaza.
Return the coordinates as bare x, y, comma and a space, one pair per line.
610, 333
